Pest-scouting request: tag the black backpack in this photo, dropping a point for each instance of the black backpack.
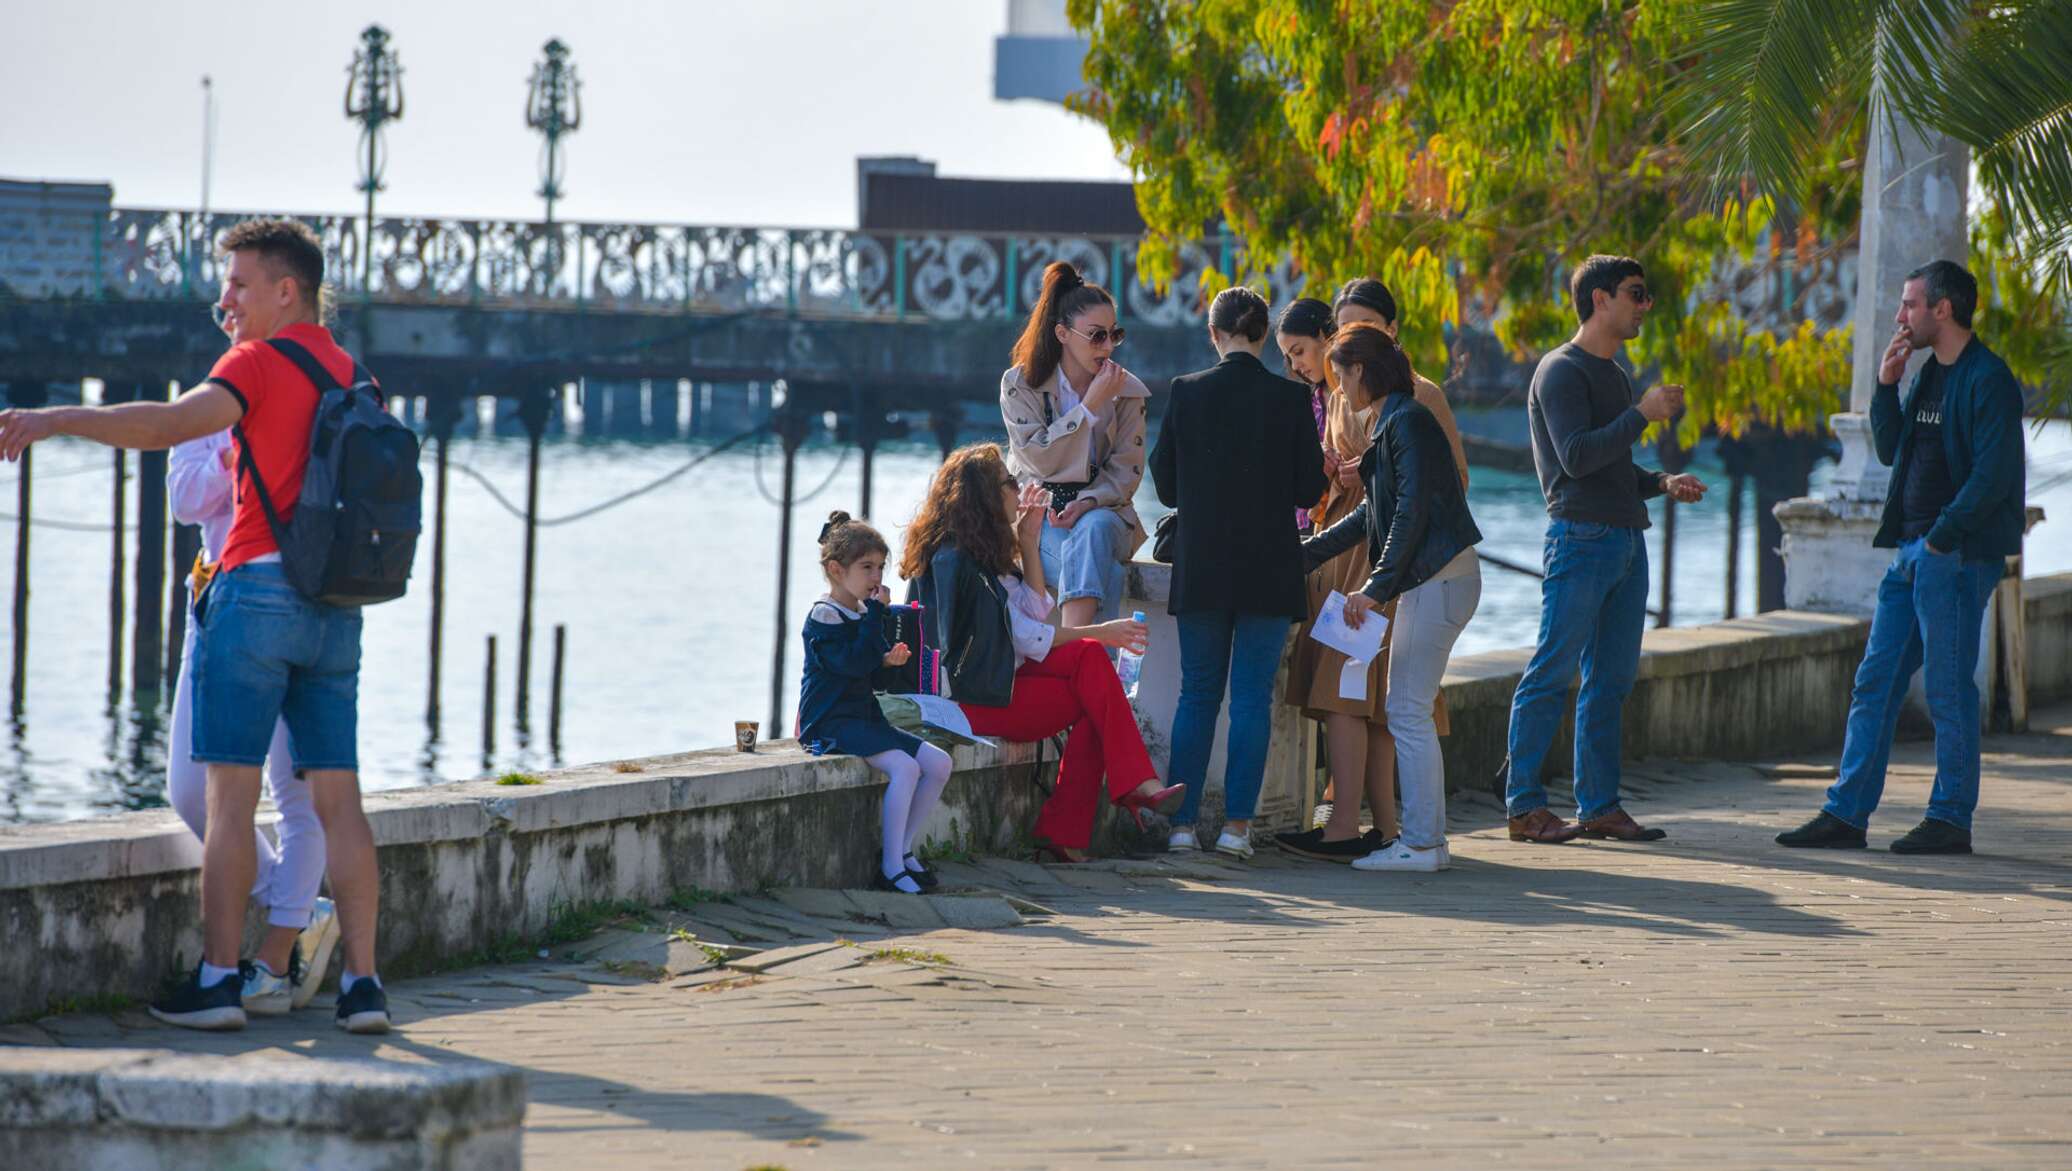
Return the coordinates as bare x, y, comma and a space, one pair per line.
354, 532
920, 674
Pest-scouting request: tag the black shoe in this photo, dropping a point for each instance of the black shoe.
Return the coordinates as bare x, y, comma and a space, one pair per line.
923, 877
364, 1009
891, 885
1933, 837
219, 1007
1311, 844
1824, 832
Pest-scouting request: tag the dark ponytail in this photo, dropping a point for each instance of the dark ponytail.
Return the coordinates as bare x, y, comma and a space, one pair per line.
1307, 317
1239, 312
1065, 296
1370, 294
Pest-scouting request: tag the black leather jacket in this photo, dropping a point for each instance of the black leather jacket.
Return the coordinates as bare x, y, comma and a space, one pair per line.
1415, 518
965, 621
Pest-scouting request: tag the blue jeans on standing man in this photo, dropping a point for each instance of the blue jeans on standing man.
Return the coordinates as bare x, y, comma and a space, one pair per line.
1930, 606
1593, 608
1244, 651
1085, 561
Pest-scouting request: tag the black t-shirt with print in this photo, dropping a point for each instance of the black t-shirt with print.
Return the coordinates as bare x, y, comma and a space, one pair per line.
1928, 487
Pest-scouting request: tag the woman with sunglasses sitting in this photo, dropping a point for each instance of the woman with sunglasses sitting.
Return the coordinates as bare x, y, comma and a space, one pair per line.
1075, 424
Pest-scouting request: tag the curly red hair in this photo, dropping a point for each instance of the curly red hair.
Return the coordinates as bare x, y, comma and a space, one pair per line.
966, 510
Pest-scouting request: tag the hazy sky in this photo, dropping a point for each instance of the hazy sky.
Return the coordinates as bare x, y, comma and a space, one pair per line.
693, 112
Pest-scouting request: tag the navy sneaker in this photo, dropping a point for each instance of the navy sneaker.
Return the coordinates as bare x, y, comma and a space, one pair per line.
219, 1007
364, 1009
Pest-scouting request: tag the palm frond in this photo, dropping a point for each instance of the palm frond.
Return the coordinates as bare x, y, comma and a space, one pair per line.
1761, 70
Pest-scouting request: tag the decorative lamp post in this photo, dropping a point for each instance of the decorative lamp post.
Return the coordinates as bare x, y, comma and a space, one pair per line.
554, 107
373, 98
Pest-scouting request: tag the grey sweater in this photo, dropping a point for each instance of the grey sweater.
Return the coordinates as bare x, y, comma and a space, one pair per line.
1584, 424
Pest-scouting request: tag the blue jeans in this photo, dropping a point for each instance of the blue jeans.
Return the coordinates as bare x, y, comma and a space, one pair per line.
1930, 606
1243, 650
1085, 561
268, 655
1593, 608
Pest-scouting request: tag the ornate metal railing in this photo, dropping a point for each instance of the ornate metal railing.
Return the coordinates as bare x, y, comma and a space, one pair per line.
160, 253
155, 253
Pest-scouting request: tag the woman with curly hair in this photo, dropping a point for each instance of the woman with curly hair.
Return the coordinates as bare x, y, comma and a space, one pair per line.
973, 558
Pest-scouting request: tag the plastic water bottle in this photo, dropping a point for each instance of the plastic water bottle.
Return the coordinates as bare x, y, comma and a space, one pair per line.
1129, 664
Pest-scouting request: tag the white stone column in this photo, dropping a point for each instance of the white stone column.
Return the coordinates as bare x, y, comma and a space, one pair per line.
1914, 187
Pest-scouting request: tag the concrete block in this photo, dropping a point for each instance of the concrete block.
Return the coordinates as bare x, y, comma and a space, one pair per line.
974, 913
124, 1108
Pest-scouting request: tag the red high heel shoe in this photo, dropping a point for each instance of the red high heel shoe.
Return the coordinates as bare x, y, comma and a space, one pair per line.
1141, 805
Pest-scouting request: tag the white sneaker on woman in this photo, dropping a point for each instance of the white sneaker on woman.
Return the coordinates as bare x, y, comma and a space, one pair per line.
1183, 841
1234, 844
1397, 856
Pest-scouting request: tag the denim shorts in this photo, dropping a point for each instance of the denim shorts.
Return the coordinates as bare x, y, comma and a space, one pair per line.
267, 653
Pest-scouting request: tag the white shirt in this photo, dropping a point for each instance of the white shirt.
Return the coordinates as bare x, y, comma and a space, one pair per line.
1028, 620
200, 489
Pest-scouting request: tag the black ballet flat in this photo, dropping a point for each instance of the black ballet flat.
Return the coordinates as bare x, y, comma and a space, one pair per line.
923, 877
891, 885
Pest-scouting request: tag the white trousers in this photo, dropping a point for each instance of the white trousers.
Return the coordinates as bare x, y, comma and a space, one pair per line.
288, 875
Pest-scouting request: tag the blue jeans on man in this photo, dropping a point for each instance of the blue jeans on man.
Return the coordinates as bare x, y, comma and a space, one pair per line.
1085, 561
267, 654
1930, 607
1219, 647
1593, 609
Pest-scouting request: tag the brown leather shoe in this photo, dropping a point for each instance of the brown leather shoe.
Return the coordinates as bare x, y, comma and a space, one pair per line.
1542, 826
1619, 826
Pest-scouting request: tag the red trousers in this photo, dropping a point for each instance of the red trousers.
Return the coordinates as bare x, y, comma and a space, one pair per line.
1073, 687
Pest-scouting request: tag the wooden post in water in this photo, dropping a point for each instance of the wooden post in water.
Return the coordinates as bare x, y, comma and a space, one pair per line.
1734, 493
791, 431
944, 419
186, 544
489, 703
22, 394
868, 420
111, 394
442, 412
147, 647
533, 408
554, 693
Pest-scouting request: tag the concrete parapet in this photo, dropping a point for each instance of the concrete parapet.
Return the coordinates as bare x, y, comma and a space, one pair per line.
137, 1109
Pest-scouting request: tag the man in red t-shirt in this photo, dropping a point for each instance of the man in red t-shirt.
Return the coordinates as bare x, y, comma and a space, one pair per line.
265, 652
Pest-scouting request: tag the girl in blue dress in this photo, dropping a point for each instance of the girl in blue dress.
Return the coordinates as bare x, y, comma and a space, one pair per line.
838, 712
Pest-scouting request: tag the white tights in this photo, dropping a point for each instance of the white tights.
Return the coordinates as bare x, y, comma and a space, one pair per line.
913, 787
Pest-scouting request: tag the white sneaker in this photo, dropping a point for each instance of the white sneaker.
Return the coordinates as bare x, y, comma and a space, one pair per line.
1235, 845
1183, 841
1445, 857
264, 993
313, 951
1397, 856
1321, 816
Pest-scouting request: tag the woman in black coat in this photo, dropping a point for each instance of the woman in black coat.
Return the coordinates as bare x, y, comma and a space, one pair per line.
1236, 454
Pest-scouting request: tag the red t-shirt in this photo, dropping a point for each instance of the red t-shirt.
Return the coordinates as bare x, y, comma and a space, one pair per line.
280, 406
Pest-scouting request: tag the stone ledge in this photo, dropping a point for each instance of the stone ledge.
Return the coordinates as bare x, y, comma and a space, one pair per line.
157, 1089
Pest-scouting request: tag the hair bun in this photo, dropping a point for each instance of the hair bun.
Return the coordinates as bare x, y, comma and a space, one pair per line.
1067, 276
835, 520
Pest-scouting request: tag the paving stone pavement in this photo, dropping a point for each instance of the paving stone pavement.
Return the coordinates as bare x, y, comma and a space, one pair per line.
1712, 1000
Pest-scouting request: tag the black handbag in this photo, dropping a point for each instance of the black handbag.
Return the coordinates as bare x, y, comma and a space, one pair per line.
1162, 536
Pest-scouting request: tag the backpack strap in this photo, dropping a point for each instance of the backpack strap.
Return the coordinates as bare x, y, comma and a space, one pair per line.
306, 362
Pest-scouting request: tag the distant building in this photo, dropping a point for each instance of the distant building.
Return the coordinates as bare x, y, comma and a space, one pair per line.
1041, 56
904, 194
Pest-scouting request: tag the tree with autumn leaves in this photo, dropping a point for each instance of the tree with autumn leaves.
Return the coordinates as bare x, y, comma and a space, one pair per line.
1470, 153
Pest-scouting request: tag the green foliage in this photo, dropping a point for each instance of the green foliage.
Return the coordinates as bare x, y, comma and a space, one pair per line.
1469, 154
515, 778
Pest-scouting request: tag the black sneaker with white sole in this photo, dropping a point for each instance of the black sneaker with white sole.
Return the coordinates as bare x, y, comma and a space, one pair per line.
219, 1007
364, 1009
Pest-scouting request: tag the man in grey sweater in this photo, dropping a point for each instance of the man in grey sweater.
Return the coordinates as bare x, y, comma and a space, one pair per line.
1593, 603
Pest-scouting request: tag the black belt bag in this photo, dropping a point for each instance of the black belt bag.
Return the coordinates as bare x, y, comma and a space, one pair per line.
1063, 494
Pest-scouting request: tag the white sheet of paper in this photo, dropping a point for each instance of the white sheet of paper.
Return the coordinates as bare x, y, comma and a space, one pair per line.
1330, 629
1352, 681
945, 714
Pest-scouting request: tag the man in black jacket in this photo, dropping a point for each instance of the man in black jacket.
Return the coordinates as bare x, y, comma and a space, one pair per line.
1954, 512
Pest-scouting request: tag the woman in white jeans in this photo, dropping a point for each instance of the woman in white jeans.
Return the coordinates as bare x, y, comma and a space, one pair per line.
1420, 539
200, 481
